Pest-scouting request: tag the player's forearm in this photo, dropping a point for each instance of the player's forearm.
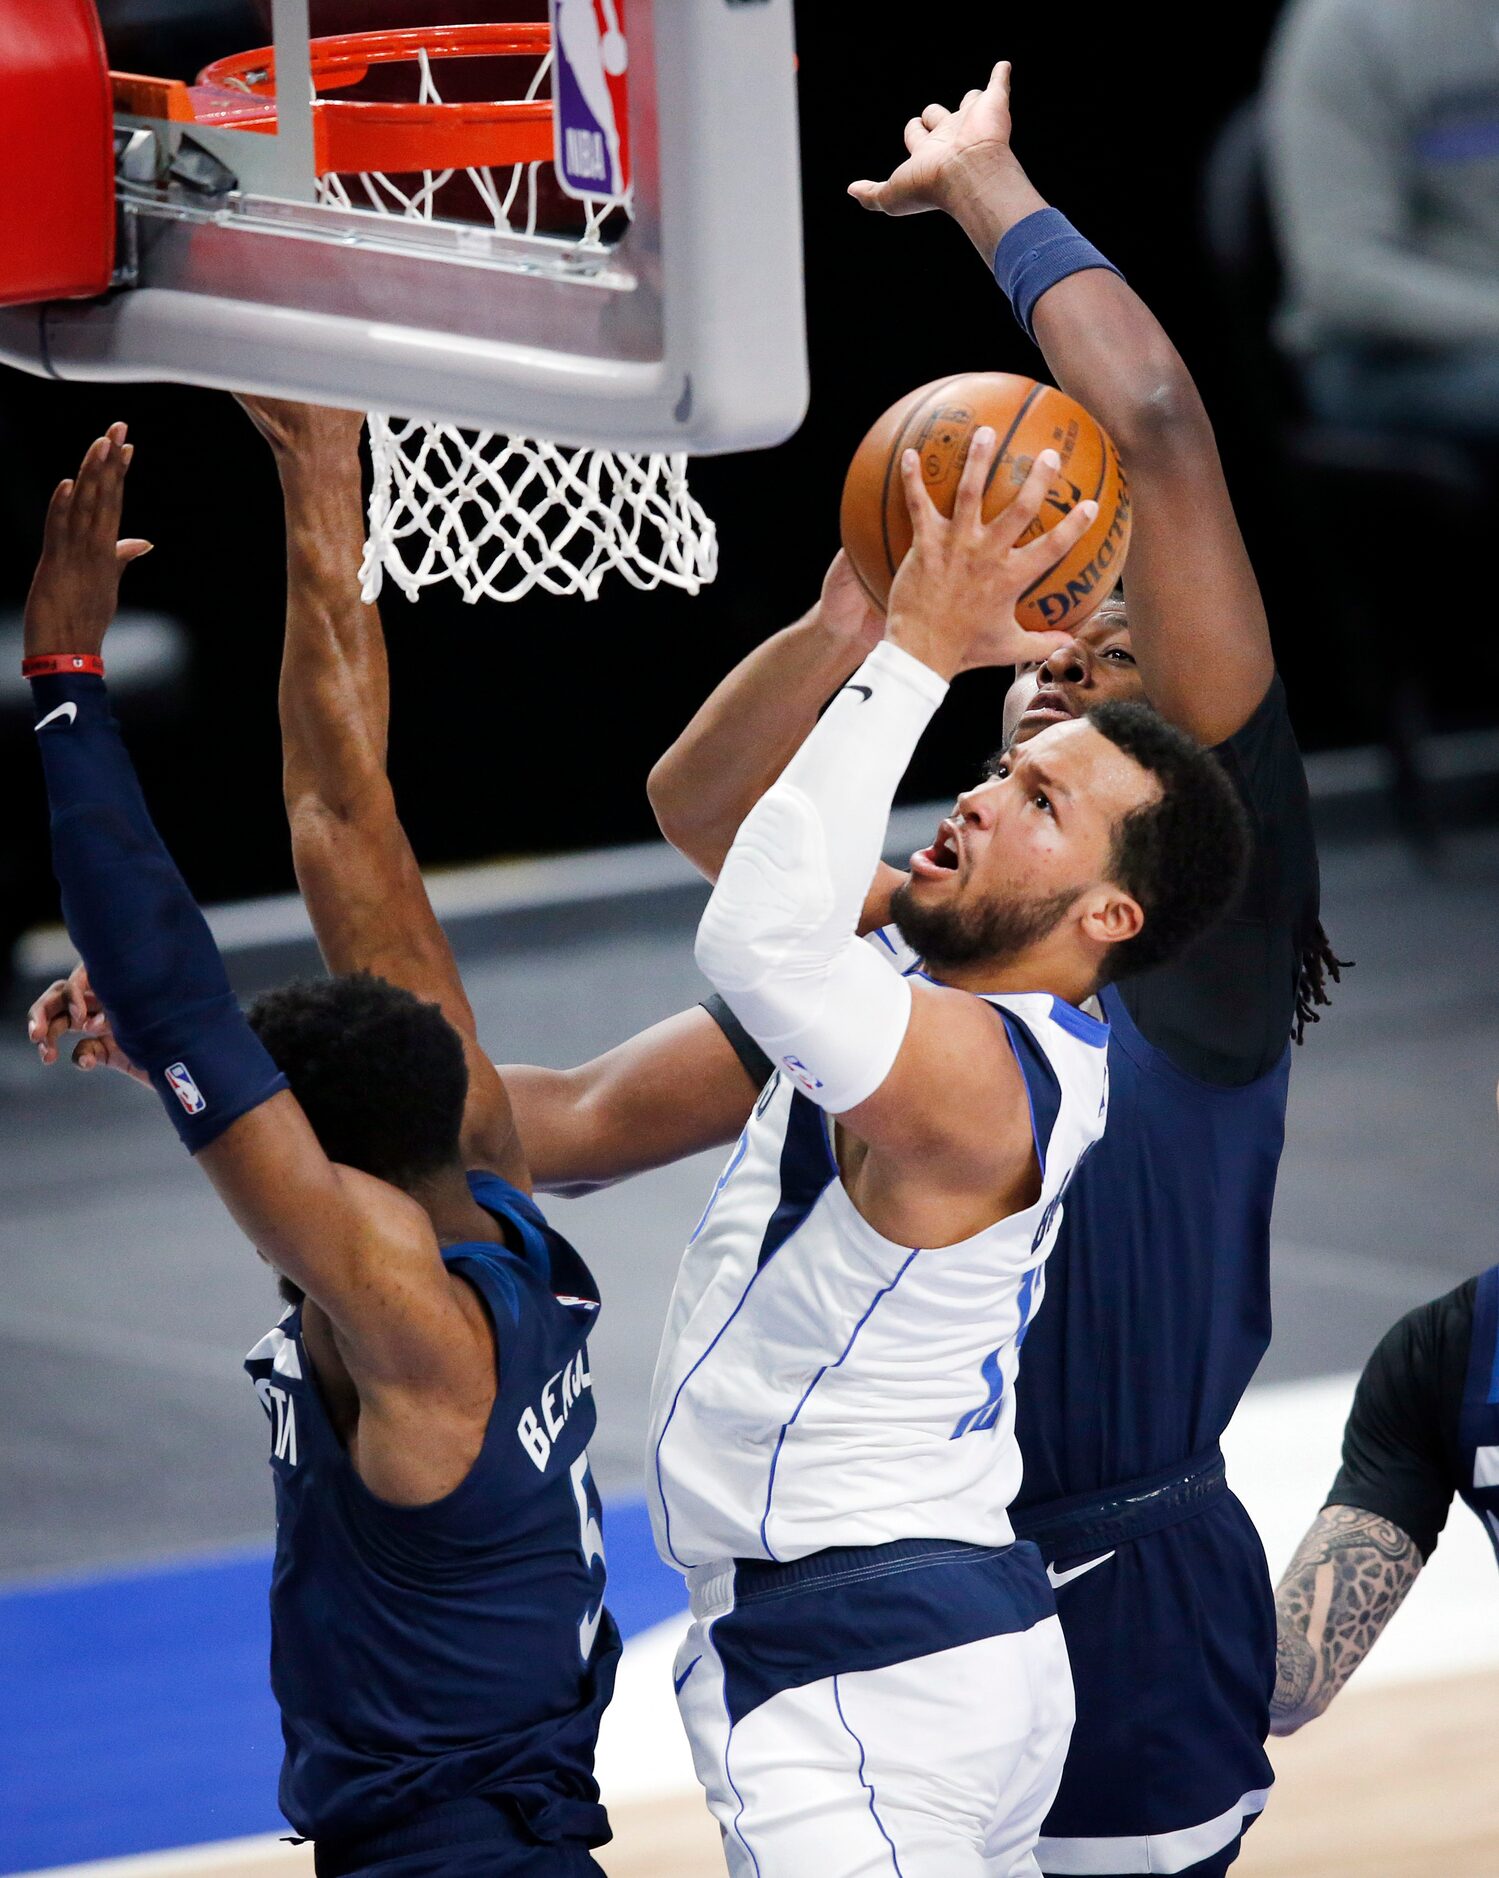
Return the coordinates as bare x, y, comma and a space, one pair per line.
778, 936
1101, 342
669, 1092
741, 739
335, 688
1347, 1579
150, 957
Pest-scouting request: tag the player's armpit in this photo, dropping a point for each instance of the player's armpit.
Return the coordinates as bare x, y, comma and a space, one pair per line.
669, 1092
363, 1251
1347, 1579
949, 1128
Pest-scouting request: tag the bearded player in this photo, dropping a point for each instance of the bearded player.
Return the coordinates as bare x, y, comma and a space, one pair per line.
1157, 1309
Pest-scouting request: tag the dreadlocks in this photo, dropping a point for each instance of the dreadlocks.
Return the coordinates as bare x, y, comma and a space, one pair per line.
1318, 963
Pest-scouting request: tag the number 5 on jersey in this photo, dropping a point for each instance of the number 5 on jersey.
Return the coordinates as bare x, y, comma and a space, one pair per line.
591, 1539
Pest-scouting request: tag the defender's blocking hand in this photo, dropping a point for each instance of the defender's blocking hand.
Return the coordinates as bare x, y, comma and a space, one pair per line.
76, 587
945, 148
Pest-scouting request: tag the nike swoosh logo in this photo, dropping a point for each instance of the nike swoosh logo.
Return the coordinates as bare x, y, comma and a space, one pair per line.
588, 1631
69, 711
1058, 1579
677, 1681
866, 689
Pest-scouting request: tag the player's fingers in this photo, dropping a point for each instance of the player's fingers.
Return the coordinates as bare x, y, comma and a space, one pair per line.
915, 134
968, 503
999, 82
52, 1001
918, 503
934, 115
1011, 523
1046, 550
970, 98
90, 1054
131, 549
57, 514
866, 193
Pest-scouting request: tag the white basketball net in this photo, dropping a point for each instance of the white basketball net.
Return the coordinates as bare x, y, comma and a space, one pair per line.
501, 514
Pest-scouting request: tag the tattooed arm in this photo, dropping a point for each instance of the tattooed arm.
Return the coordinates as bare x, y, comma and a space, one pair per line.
1348, 1578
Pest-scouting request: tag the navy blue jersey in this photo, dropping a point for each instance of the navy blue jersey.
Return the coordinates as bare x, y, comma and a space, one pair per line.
427, 1654
1157, 1307
1157, 1304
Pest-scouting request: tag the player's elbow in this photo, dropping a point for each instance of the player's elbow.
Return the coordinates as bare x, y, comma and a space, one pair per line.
698, 838
1159, 415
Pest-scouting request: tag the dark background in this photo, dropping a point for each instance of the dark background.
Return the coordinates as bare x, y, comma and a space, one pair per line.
566, 703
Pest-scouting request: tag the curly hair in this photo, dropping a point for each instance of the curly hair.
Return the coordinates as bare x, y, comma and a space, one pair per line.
380, 1075
1182, 856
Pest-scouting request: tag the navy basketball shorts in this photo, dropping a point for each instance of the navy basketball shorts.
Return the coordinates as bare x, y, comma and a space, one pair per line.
1171, 1638
878, 1710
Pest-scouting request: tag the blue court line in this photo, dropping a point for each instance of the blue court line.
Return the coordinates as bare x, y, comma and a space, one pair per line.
137, 1712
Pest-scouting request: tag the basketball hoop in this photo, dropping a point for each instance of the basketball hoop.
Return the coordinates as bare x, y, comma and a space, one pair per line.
497, 514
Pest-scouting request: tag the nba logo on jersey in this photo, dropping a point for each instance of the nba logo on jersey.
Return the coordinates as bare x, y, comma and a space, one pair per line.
590, 97
184, 1088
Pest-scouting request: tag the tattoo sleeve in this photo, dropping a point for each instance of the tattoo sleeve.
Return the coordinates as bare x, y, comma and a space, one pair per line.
1348, 1578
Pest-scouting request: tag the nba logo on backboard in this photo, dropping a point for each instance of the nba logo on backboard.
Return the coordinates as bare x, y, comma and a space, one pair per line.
184, 1088
590, 97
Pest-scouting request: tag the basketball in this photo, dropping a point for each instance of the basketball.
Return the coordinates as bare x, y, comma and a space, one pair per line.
938, 421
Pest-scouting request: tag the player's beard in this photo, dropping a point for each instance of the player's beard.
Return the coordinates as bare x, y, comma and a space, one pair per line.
993, 934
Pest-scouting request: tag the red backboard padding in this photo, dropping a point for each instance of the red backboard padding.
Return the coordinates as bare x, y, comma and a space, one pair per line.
57, 196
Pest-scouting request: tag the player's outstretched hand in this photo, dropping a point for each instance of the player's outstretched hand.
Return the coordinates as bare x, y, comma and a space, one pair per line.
69, 1005
948, 151
963, 575
76, 587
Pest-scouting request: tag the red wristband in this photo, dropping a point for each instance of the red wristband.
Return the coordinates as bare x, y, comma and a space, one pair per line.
51, 664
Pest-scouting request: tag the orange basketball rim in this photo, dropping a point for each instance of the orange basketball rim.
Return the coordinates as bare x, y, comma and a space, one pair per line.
353, 135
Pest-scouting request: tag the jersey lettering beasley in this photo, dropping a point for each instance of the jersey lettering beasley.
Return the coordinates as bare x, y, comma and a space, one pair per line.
541, 1425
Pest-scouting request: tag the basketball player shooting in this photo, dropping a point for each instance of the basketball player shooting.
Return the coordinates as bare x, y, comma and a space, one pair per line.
428, 1389
874, 1670
1162, 1259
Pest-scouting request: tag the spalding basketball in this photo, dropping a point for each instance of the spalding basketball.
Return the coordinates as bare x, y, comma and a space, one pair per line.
938, 422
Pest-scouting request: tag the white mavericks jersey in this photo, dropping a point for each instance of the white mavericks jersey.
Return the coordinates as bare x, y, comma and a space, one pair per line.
819, 1385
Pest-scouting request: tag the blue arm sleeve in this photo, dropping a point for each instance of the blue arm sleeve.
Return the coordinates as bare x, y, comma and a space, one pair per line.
150, 956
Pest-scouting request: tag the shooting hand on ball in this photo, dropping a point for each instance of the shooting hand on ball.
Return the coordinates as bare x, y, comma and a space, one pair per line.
962, 577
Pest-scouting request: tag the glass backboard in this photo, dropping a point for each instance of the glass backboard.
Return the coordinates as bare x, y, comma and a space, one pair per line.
576, 219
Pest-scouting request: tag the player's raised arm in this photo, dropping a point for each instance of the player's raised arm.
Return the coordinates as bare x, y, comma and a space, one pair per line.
359, 1248
754, 721
1197, 619
778, 937
359, 878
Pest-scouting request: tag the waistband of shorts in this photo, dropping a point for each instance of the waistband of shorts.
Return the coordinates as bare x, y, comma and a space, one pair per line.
1126, 1511
714, 1589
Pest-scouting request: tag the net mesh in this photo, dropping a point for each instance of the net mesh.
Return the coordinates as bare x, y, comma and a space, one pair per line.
497, 513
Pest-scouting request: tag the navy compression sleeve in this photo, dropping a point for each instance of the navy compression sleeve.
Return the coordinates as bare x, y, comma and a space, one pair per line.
150, 956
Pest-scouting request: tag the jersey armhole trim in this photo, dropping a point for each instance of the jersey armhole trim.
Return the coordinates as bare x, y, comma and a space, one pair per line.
1043, 1089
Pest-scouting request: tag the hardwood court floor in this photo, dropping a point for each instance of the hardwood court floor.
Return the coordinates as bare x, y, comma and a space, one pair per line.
1398, 1782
